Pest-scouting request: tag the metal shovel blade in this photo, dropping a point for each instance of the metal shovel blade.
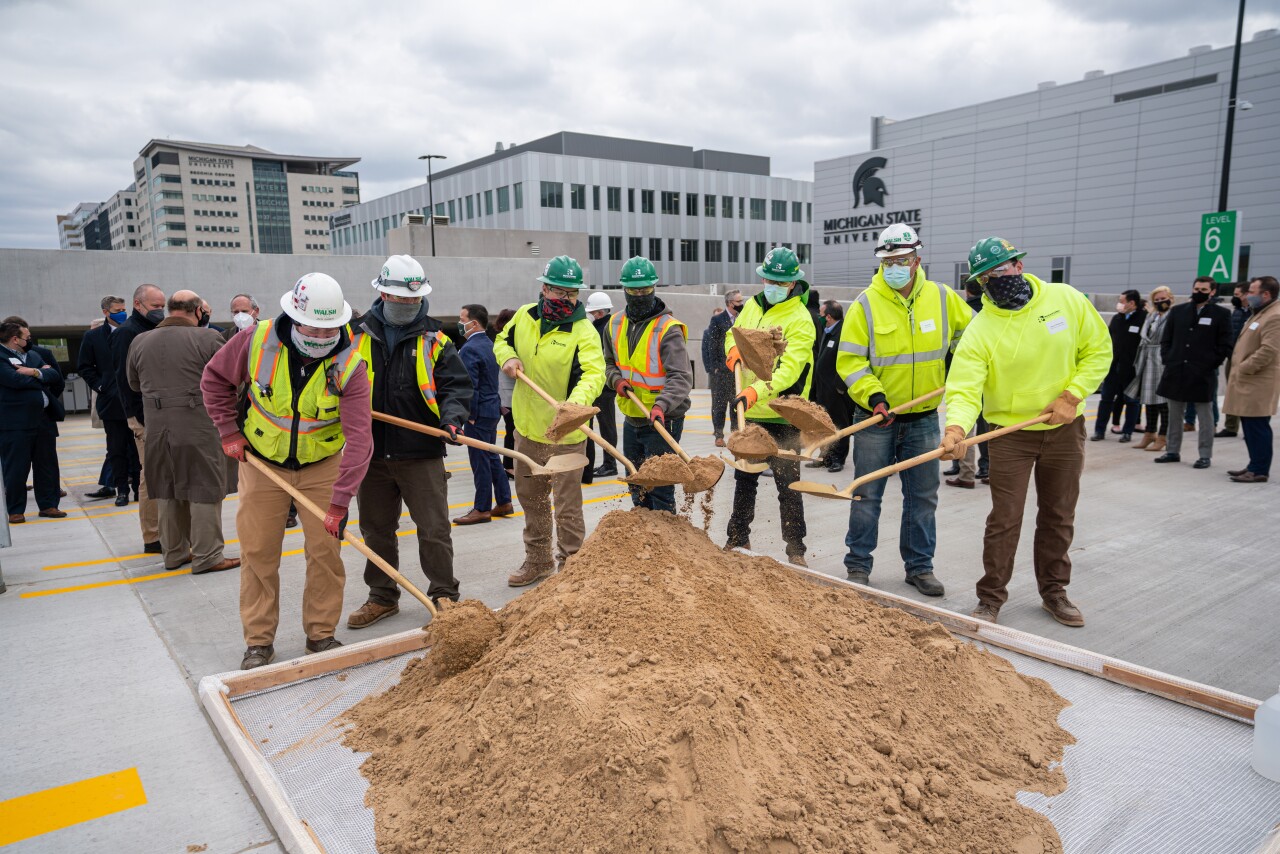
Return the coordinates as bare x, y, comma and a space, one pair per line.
559, 465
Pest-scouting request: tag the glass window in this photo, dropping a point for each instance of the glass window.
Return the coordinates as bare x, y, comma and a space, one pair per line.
504, 200
670, 203
646, 202
635, 246
471, 210
726, 207
808, 212
671, 248
615, 198
757, 208
796, 210
595, 197
593, 247
741, 202
518, 187
688, 250
440, 205
452, 218
760, 252
488, 202
733, 252
709, 206
802, 252
631, 199
779, 210
615, 248
578, 197
1060, 269
712, 250
552, 194
691, 204
655, 243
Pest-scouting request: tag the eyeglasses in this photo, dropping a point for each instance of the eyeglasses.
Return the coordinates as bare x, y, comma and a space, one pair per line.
901, 261
994, 272
641, 292
559, 293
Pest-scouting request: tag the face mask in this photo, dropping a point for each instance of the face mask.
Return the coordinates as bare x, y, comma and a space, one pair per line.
118, 317
155, 315
1119, 308
1255, 301
554, 310
1199, 297
204, 319
1163, 305
242, 319
897, 277
1008, 292
315, 348
640, 307
775, 294
401, 313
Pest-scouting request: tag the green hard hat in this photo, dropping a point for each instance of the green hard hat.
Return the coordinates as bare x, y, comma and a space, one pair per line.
780, 265
991, 252
639, 272
562, 272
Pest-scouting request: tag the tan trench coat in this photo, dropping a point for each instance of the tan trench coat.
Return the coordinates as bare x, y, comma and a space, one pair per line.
184, 458
1254, 388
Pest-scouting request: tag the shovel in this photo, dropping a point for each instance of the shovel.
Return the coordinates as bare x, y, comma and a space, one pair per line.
826, 490
644, 482
307, 504
741, 412
706, 471
818, 442
556, 465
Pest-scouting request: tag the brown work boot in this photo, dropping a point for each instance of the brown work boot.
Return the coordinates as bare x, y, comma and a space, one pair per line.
503, 510
322, 645
1063, 611
369, 613
528, 574
986, 612
257, 656
473, 517
53, 513
16, 518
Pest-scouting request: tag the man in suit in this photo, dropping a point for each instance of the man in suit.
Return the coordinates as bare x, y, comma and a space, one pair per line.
828, 389
720, 378
1196, 341
1125, 329
493, 492
96, 366
27, 386
148, 311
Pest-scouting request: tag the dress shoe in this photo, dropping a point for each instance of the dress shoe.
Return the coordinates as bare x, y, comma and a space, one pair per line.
473, 517
1126, 438
527, 575
1202, 463
986, 612
1188, 428
369, 613
257, 656
1063, 611
16, 518
834, 468
963, 484
927, 583
503, 510
1225, 434
179, 565
1236, 473
291, 521
322, 645
953, 471
1116, 428
152, 548
122, 499
1167, 457
62, 493
221, 566
105, 492
606, 471
816, 464
135, 496
1250, 477
1097, 437
53, 513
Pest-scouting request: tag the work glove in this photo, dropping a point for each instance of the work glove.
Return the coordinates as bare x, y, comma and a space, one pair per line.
335, 521
621, 387
880, 406
953, 443
454, 431
734, 359
657, 415
747, 398
510, 366
1063, 409
234, 446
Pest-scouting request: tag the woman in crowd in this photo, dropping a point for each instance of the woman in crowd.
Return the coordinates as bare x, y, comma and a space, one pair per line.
1148, 367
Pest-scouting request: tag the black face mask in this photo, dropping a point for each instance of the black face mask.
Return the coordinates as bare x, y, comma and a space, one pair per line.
1008, 292
1163, 305
155, 315
1199, 297
204, 319
1237, 302
640, 306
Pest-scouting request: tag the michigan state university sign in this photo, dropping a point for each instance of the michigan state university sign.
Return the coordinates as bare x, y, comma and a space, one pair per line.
869, 190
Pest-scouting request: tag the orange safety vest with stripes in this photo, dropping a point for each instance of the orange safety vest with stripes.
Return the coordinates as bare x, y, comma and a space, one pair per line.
427, 352
642, 367
276, 430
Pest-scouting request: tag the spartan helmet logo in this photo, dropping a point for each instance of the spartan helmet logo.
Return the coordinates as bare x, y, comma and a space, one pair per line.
867, 188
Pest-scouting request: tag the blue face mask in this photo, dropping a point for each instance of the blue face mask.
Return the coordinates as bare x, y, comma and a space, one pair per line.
775, 294
897, 276
118, 316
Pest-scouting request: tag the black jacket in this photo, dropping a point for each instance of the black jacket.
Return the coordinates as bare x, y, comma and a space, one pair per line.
55, 411
829, 390
1192, 347
713, 355
1239, 317
99, 372
1126, 336
396, 392
121, 340
607, 394
21, 405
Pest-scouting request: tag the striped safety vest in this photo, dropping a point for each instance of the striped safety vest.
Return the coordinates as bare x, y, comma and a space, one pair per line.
643, 367
426, 352
276, 430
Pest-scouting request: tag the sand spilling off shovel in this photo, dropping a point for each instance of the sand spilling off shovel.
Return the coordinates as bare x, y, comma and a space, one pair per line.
760, 348
662, 470
752, 442
660, 694
809, 417
460, 632
569, 417
706, 472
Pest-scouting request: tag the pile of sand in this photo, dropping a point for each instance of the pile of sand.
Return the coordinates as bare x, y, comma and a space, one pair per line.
752, 442
660, 694
760, 348
569, 417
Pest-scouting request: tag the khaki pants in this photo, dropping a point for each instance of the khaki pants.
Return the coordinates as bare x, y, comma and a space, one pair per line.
260, 522
535, 495
1056, 457
420, 484
148, 512
191, 527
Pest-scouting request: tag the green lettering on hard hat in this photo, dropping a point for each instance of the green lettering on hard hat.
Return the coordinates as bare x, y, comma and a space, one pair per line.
324, 311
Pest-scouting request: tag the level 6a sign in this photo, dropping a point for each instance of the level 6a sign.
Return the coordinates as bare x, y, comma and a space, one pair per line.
1219, 245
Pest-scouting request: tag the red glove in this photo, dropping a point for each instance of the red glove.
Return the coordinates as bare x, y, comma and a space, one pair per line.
234, 446
656, 415
735, 358
335, 521
454, 433
621, 387
880, 406
747, 398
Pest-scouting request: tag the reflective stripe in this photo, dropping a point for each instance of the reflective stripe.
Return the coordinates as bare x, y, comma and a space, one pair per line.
908, 358
427, 351
946, 329
652, 375
855, 376
855, 349
871, 326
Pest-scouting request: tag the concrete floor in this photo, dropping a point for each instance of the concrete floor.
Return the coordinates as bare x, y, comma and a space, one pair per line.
1175, 569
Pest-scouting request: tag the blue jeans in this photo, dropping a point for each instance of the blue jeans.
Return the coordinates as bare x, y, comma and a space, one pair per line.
1258, 438
492, 488
639, 442
875, 448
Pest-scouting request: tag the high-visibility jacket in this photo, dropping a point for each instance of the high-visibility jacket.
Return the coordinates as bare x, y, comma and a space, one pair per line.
567, 362
428, 350
898, 347
281, 422
793, 370
1010, 365
642, 367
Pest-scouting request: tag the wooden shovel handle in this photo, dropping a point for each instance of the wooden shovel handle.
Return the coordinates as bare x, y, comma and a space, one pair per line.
867, 422
662, 431
462, 440
740, 410
310, 506
591, 434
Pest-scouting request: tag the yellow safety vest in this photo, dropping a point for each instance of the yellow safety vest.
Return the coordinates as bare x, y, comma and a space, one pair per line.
643, 367
427, 353
271, 423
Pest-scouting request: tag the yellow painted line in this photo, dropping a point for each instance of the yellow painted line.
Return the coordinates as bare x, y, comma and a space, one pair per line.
116, 583
62, 806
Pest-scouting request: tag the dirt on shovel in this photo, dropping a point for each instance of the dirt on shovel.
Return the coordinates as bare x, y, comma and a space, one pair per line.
760, 348
753, 442
662, 470
811, 419
707, 472
569, 417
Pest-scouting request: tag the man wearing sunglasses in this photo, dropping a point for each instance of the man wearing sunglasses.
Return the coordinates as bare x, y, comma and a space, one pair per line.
893, 348
1036, 348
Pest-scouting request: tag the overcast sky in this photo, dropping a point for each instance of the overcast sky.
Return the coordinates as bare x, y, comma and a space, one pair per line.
84, 85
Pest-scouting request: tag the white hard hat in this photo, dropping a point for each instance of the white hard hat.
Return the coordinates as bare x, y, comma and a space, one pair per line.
316, 300
599, 301
403, 276
897, 240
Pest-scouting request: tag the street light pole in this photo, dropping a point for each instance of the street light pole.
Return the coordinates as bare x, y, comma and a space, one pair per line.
430, 196
1231, 113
